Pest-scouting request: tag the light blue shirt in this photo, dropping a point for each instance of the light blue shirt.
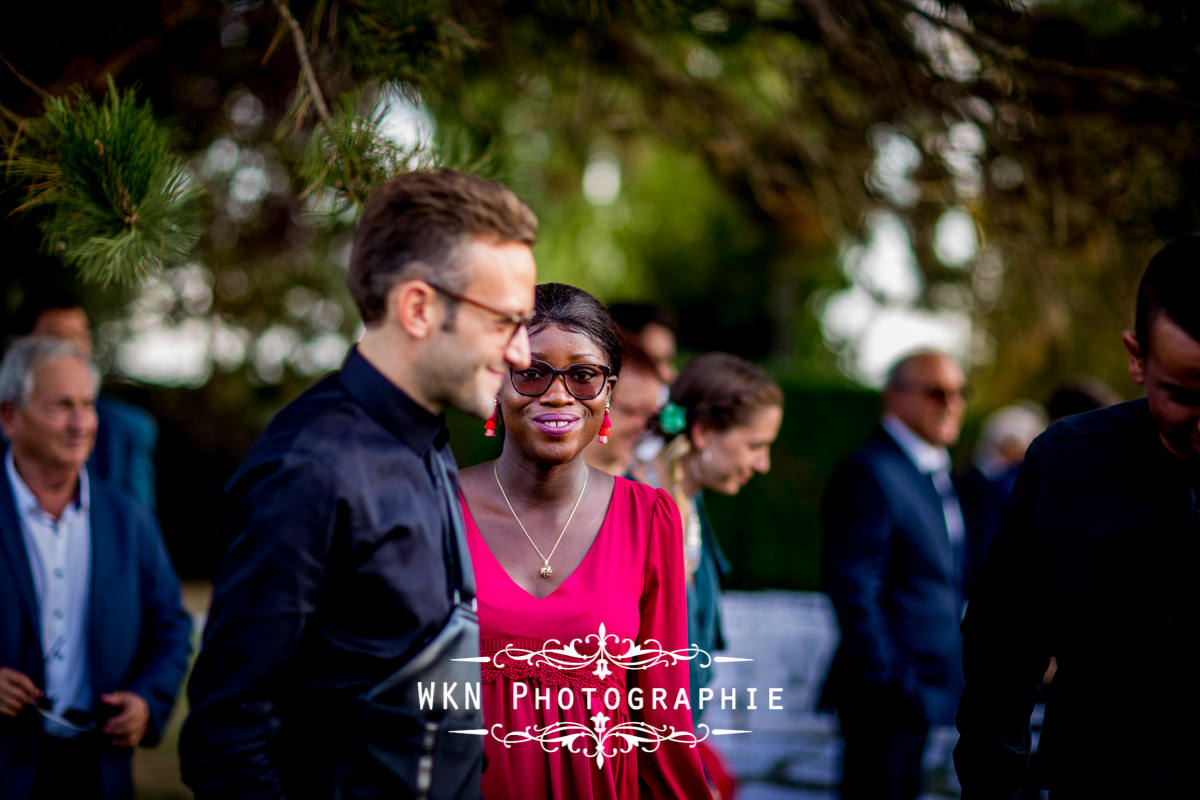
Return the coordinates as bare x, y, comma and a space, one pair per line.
60, 559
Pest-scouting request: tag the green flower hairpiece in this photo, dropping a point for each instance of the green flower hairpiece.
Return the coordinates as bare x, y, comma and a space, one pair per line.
672, 419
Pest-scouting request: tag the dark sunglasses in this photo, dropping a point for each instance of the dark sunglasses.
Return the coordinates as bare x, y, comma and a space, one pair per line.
939, 394
583, 381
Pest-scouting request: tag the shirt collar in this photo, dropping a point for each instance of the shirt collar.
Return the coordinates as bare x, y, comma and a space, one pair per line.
402, 416
926, 457
24, 497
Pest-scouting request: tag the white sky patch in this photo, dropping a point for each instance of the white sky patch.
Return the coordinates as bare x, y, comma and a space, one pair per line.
896, 157
896, 331
873, 322
323, 354
886, 265
602, 179
955, 240
703, 64
168, 355
405, 122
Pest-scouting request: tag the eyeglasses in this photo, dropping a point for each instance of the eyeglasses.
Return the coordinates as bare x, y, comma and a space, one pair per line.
518, 321
583, 381
939, 394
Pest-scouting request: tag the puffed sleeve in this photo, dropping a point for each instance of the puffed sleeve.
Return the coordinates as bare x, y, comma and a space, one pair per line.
674, 769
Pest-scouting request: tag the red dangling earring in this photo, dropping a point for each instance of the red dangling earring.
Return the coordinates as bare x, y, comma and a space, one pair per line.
605, 427
489, 427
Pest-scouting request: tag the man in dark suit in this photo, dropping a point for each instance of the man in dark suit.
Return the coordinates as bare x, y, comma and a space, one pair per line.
93, 638
346, 572
1095, 564
892, 567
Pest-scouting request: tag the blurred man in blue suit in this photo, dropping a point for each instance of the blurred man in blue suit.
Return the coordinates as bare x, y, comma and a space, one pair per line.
894, 535
94, 641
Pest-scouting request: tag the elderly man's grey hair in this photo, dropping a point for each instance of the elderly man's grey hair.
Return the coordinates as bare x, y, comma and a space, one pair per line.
25, 356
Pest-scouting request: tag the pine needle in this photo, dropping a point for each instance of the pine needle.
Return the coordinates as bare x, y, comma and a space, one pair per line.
121, 204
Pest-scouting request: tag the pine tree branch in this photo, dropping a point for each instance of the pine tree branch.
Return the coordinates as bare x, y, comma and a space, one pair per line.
1163, 89
306, 67
39, 91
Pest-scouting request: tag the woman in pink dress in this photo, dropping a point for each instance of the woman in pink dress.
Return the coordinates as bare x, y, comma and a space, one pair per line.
582, 599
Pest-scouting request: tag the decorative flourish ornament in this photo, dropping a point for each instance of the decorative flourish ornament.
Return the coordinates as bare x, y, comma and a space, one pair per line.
602, 650
600, 742
605, 426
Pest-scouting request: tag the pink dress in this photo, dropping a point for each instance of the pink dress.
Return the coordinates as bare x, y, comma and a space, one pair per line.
631, 581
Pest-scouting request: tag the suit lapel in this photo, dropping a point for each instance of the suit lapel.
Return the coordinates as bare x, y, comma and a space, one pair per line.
101, 600
928, 505
13, 552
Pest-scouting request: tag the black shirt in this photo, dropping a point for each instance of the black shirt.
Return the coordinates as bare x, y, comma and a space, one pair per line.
1095, 564
334, 574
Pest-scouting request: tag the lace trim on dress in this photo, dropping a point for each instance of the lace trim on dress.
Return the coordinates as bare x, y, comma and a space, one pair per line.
545, 662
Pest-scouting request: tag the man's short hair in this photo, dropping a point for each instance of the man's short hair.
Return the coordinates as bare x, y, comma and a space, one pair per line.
634, 357
897, 374
41, 300
413, 226
1170, 285
635, 315
23, 358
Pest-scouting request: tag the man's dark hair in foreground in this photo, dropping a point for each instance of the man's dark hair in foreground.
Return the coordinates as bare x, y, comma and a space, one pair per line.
1095, 565
344, 556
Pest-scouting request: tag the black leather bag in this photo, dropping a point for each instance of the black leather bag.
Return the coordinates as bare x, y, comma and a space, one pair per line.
404, 750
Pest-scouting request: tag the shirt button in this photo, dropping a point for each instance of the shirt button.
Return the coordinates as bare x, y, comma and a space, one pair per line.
59, 657
58, 573
58, 614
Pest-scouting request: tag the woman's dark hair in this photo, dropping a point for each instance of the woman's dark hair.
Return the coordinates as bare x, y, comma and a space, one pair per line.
722, 390
576, 310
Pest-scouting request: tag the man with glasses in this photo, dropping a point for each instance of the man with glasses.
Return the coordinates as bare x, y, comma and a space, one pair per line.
894, 536
345, 574
94, 641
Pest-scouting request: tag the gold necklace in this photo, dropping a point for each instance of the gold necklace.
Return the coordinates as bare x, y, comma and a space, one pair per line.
545, 571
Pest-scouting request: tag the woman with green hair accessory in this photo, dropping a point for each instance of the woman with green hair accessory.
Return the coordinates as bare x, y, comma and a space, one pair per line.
718, 425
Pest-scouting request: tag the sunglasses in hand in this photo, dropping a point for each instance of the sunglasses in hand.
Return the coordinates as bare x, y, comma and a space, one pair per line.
74, 719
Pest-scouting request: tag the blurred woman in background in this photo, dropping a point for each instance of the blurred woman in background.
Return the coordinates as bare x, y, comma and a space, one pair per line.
722, 416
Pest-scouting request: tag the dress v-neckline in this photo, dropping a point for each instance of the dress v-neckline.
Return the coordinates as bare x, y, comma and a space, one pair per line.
475, 530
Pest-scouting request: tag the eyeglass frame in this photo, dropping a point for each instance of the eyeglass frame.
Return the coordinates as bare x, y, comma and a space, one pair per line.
518, 321
555, 373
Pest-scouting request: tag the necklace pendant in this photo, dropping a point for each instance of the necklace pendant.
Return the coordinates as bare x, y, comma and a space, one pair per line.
546, 572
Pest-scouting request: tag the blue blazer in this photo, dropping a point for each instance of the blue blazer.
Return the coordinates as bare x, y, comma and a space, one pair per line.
139, 638
895, 583
124, 451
